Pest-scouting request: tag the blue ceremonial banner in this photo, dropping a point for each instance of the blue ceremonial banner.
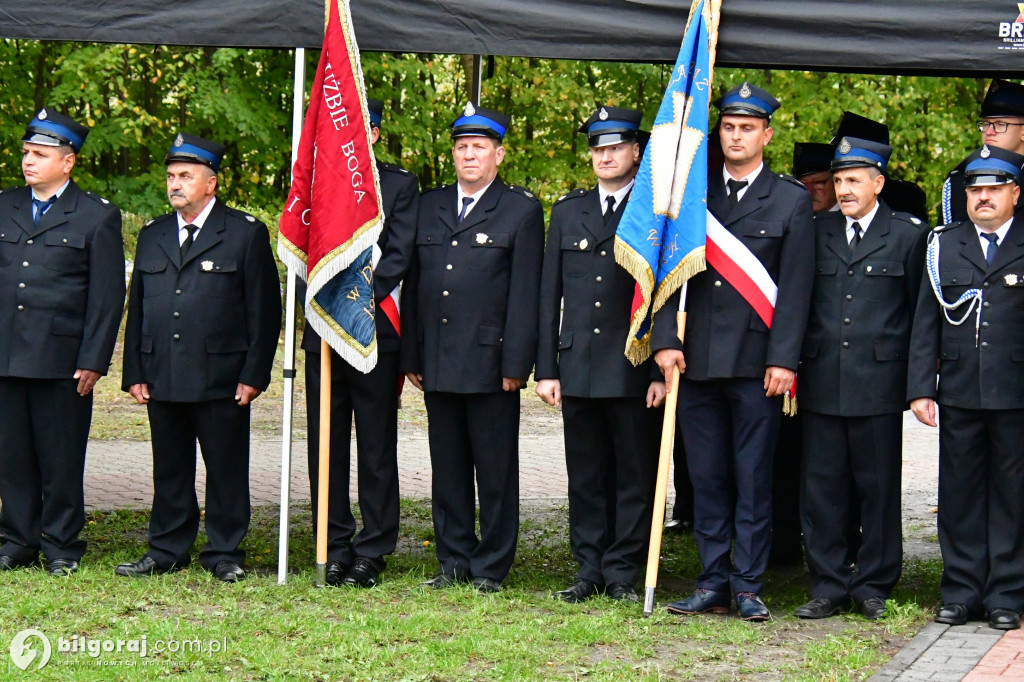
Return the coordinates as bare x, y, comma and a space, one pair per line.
660, 238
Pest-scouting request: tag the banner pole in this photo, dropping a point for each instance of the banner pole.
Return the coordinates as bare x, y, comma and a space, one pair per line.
289, 345
668, 430
324, 470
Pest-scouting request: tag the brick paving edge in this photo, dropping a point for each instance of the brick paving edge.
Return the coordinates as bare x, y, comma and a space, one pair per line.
906, 656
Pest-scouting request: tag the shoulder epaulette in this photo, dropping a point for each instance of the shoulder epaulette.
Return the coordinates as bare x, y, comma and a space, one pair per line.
790, 179
950, 226
573, 194
241, 214
523, 191
907, 217
384, 165
98, 198
436, 189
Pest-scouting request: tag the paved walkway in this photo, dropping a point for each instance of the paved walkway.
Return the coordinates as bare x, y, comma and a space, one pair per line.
118, 475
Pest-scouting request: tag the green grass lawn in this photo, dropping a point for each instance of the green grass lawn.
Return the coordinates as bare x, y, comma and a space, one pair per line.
400, 631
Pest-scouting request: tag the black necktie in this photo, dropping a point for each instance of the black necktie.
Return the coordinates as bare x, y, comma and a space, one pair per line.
610, 200
993, 246
466, 201
189, 238
734, 190
41, 207
857, 234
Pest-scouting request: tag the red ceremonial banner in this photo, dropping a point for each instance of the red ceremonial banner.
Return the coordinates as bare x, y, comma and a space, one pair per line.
333, 214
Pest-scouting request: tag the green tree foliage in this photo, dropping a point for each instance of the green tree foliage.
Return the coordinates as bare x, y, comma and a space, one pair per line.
136, 98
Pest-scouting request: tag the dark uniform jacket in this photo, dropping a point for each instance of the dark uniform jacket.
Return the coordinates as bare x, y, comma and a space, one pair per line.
399, 193
61, 284
983, 373
954, 196
197, 329
725, 338
579, 266
854, 360
470, 300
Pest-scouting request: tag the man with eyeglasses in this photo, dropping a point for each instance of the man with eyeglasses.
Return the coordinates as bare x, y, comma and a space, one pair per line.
1001, 124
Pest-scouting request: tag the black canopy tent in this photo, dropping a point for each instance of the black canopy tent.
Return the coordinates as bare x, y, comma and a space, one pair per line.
927, 37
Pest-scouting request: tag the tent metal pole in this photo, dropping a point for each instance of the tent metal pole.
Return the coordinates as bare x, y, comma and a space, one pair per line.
289, 340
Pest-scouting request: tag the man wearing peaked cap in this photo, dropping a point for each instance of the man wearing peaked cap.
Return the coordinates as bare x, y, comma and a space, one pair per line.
372, 399
969, 323
899, 195
61, 296
735, 369
204, 317
1001, 125
469, 304
853, 366
610, 453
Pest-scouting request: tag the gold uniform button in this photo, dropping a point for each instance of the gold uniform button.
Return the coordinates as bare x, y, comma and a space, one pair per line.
597, 331
20, 308
448, 267
599, 279
445, 294
24, 264
176, 337
29, 242
604, 253
21, 285
455, 242
444, 320
597, 304
718, 282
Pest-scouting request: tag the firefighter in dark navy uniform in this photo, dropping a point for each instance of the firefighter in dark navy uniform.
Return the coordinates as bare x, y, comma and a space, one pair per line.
610, 454
372, 398
869, 261
736, 369
470, 307
204, 318
61, 298
970, 324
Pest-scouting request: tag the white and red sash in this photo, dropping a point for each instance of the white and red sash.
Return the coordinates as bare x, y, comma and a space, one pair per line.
747, 275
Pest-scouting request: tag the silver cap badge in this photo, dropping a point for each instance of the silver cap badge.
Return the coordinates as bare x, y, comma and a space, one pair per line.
470, 110
42, 115
745, 91
179, 140
603, 115
985, 152
845, 146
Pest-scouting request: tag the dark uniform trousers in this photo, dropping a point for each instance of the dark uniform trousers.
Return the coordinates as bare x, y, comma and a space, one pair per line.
730, 428
610, 452
469, 311
196, 328
980, 394
61, 297
853, 379
372, 398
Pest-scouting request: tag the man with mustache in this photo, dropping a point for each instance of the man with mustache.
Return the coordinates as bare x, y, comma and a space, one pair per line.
869, 261
204, 317
970, 324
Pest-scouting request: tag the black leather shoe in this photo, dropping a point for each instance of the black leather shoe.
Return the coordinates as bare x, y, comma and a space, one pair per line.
335, 572
622, 591
9, 563
701, 601
486, 585
818, 607
442, 581
952, 614
228, 571
1003, 619
144, 566
579, 591
872, 608
362, 574
678, 526
751, 608
59, 567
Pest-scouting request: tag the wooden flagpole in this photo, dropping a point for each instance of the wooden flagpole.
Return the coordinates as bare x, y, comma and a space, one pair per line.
324, 471
668, 429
